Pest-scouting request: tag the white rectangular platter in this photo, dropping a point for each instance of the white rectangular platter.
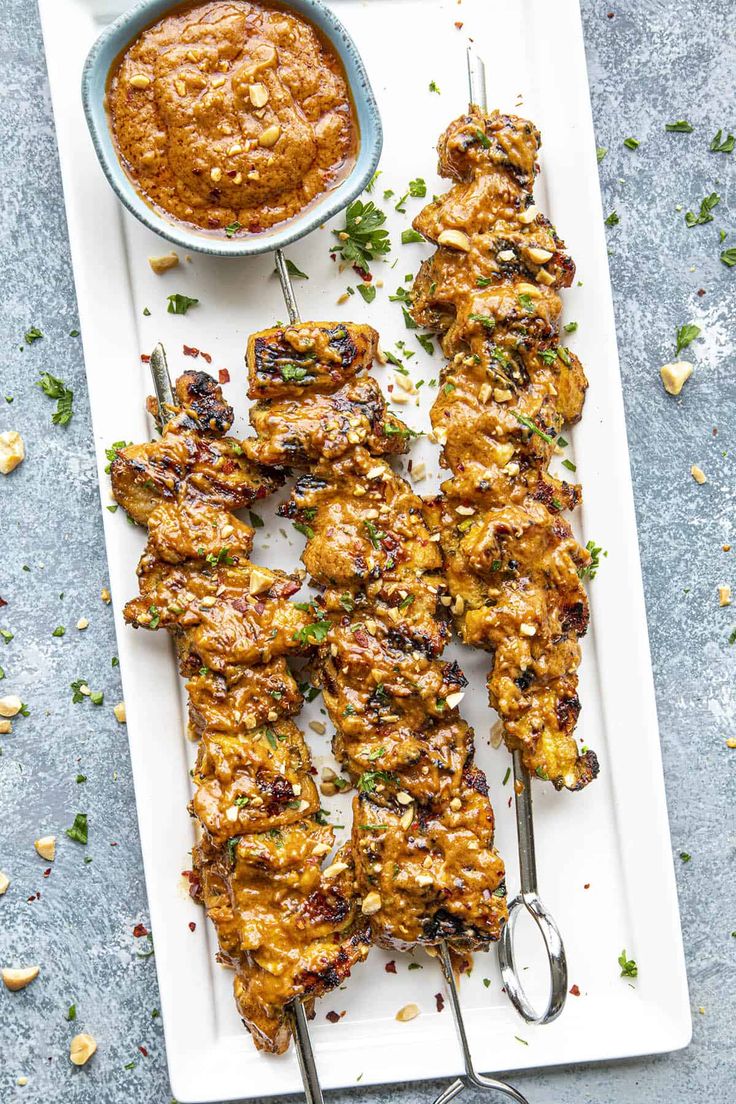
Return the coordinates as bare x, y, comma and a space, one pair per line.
604, 855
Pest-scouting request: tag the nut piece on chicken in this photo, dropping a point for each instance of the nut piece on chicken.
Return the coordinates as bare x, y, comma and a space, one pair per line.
513, 566
192, 457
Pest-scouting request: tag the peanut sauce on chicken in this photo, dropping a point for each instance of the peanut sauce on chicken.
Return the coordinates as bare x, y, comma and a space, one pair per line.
231, 116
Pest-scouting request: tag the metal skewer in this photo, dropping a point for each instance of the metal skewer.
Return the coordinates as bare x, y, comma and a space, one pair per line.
471, 1078
300, 1026
528, 896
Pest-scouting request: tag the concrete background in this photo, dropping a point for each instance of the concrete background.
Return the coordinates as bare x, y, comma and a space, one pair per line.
651, 62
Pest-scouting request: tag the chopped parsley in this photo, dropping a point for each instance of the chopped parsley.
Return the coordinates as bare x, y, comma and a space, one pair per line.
370, 779
363, 237
232, 228
180, 304
631, 143
704, 215
483, 138
591, 570
600, 153
293, 373
255, 519
685, 336
368, 292
570, 327
76, 688
484, 319
685, 856
295, 272
526, 303
433, 87
426, 342
375, 536
628, 965
720, 144
112, 451
31, 335
78, 830
409, 236
71, 1013
56, 389
312, 634
59, 631
728, 257
613, 219
7, 635
682, 126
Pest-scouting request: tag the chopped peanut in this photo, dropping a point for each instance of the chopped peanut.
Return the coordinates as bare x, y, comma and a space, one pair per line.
81, 1049
119, 711
724, 595
12, 451
164, 262
18, 979
408, 1012
675, 375
46, 847
698, 475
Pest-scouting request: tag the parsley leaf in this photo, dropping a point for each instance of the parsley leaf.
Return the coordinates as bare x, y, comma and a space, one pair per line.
363, 238
112, 451
312, 634
613, 219
232, 229
31, 335
685, 336
368, 292
433, 87
631, 143
682, 126
78, 830
628, 965
728, 256
56, 389
180, 304
529, 424
706, 206
409, 236
600, 153
721, 144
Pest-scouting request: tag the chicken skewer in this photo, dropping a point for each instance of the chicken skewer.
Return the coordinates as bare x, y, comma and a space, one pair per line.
534, 695
232, 869
332, 505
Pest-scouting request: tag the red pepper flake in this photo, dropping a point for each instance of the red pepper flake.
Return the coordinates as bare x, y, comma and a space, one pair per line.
143, 1051
459, 26
189, 350
35, 897
145, 358
192, 925
587, 885
390, 967
47, 872
333, 1017
2, 603
701, 292
574, 991
190, 876
439, 1000
223, 375
140, 930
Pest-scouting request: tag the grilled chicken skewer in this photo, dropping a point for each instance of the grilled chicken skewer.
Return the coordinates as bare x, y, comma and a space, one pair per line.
422, 821
289, 929
513, 565
490, 291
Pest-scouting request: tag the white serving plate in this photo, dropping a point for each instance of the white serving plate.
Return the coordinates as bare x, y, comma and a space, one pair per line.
613, 836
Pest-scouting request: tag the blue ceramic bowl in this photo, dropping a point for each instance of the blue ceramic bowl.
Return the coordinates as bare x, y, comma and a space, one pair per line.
114, 40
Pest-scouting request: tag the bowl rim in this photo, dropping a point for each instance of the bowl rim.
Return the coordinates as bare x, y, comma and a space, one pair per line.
122, 30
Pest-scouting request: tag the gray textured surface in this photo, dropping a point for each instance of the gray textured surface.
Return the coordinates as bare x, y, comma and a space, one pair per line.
651, 63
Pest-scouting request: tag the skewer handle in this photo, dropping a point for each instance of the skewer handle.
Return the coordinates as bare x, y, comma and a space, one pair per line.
529, 899
287, 286
471, 1078
305, 1054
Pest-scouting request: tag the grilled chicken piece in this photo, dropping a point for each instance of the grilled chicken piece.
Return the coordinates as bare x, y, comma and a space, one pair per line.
286, 361
364, 522
432, 876
191, 458
253, 696
289, 929
299, 432
517, 571
195, 579
252, 780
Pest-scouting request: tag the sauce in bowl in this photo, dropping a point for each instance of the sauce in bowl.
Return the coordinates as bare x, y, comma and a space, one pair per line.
231, 116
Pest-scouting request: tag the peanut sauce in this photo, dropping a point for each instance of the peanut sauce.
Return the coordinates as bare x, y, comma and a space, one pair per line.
231, 116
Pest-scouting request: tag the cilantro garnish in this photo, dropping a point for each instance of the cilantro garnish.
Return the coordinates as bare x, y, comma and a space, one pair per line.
363, 238
704, 215
628, 965
180, 304
78, 830
685, 336
682, 126
57, 389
